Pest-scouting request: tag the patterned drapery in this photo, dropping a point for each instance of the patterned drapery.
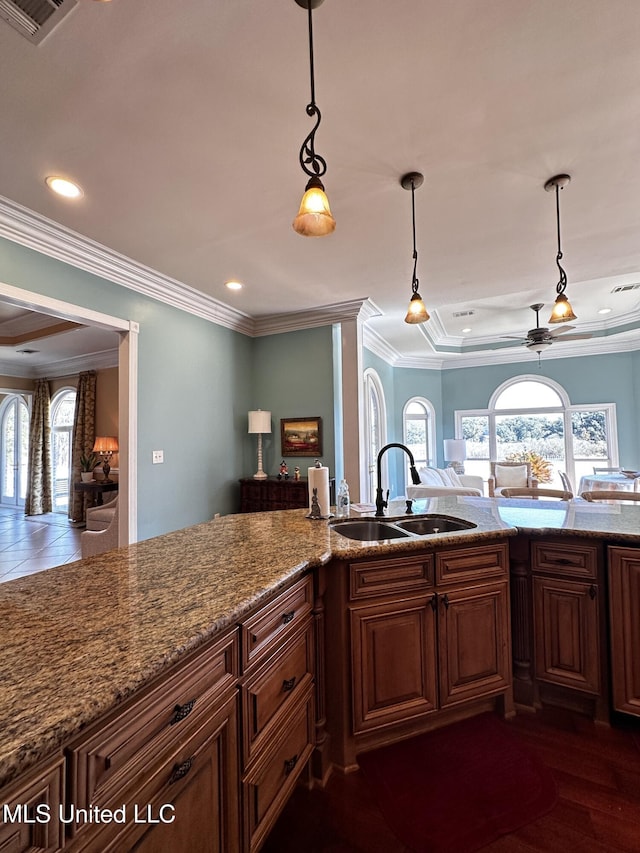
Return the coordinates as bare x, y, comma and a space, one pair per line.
84, 433
39, 499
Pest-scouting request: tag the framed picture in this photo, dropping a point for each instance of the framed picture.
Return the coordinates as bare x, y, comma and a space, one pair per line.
301, 436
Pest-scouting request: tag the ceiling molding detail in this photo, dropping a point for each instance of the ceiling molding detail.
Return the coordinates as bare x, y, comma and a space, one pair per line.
67, 367
340, 312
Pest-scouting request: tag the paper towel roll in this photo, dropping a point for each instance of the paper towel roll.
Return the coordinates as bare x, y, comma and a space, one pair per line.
319, 479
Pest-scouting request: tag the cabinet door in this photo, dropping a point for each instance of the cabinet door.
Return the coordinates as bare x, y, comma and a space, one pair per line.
393, 661
566, 629
473, 631
624, 604
30, 810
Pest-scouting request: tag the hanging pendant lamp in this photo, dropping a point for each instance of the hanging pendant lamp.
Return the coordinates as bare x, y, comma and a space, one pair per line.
314, 218
417, 312
562, 309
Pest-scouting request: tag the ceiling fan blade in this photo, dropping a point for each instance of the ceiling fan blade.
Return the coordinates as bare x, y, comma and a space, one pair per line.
573, 337
512, 338
560, 330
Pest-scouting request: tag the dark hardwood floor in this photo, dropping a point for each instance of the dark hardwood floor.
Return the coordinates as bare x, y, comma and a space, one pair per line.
596, 768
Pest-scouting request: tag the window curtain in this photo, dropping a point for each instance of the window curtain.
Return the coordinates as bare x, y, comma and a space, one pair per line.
83, 437
38, 499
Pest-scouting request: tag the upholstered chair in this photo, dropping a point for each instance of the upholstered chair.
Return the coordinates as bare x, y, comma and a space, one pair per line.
510, 475
93, 542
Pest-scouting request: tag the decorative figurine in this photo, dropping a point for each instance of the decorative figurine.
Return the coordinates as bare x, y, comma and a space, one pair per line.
315, 506
284, 471
296, 473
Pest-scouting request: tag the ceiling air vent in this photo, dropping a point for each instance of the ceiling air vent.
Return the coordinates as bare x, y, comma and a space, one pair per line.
462, 314
624, 287
34, 19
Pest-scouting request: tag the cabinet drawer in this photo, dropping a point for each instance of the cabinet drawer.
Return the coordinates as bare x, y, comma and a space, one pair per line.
276, 620
267, 785
174, 785
276, 684
480, 563
39, 795
571, 559
100, 761
381, 577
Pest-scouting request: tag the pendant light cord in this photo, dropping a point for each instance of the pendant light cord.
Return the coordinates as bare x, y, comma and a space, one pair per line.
308, 156
414, 280
562, 283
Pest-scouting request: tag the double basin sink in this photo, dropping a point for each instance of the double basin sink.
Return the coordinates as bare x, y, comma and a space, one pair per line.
380, 530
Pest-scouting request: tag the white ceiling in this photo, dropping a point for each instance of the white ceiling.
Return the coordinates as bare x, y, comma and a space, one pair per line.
183, 123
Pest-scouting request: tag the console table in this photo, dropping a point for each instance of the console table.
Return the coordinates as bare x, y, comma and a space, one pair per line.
96, 488
270, 494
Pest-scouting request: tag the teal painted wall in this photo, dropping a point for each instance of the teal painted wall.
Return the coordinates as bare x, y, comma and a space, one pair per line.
293, 376
194, 392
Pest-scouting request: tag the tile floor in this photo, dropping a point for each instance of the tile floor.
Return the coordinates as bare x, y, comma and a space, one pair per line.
33, 544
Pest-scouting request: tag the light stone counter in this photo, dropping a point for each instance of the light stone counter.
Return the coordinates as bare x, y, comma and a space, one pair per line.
79, 639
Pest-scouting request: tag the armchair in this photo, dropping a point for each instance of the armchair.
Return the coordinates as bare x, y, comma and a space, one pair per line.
93, 542
510, 475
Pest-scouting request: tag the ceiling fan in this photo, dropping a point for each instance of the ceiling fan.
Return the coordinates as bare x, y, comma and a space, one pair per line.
540, 338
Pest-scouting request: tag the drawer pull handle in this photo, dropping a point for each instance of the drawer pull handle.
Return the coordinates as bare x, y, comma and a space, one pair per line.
182, 711
289, 764
288, 684
181, 770
593, 591
445, 600
288, 617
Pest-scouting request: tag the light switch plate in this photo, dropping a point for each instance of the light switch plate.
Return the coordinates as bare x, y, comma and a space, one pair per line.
158, 456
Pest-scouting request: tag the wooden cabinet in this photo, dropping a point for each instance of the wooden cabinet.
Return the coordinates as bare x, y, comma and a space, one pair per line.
271, 494
277, 706
624, 610
166, 756
425, 636
568, 626
31, 810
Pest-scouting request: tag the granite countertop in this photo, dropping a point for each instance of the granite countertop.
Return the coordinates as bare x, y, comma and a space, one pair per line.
79, 639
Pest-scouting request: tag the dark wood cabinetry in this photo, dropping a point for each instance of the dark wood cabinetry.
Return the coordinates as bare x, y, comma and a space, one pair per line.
415, 642
624, 607
272, 494
31, 810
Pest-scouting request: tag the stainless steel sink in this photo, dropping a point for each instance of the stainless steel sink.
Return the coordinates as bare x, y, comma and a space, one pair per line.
379, 530
368, 530
430, 524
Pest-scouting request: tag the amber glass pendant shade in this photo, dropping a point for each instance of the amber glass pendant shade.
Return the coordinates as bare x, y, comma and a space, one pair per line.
417, 312
314, 218
562, 310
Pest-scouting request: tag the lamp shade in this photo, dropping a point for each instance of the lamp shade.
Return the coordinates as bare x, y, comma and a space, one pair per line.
259, 421
314, 218
105, 444
455, 449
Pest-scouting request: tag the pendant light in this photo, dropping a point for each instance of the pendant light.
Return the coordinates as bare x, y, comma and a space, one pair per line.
562, 309
314, 218
417, 312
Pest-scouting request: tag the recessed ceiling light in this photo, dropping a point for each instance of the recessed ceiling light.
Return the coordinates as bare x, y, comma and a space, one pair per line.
233, 285
466, 331
63, 187
605, 311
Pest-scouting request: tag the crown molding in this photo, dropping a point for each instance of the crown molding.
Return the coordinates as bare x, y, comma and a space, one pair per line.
340, 312
66, 367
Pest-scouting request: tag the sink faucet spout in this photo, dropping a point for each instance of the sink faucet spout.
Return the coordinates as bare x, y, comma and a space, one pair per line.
381, 503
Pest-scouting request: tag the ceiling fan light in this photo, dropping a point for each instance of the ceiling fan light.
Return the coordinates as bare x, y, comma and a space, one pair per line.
417, 312
562, 310
538, 346
314, 218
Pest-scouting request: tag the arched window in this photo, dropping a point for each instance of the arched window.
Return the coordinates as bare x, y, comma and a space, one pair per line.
375, 427
531, 417
14, 443
418, 425
62, 410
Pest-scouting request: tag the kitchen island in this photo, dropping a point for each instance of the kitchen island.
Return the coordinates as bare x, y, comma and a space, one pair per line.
84, 639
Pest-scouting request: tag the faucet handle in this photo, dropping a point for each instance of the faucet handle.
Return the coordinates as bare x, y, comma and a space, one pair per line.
409, 507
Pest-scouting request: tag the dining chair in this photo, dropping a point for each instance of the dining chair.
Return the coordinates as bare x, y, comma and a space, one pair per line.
610, 495
566, 482
606, 470
559, 494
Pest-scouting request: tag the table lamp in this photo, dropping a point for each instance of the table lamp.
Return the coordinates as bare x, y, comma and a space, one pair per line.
106, 446
260, 423
455, 452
